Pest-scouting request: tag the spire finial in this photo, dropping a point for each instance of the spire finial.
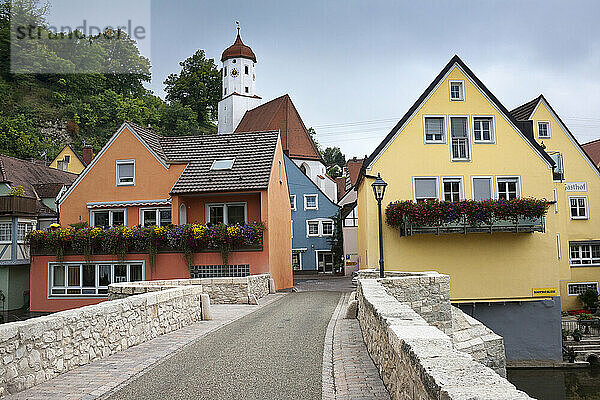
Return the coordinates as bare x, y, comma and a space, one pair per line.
237, 23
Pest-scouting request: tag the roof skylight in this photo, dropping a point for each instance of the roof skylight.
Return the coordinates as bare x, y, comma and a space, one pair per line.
223, 164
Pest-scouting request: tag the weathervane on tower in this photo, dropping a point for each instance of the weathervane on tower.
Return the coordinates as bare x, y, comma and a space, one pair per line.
237, 23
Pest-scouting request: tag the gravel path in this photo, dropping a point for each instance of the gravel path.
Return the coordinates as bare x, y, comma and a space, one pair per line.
273, 353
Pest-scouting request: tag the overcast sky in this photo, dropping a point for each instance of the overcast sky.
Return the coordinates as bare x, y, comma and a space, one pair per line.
354, 68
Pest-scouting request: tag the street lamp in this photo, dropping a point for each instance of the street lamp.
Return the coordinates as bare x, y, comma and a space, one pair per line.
379, 190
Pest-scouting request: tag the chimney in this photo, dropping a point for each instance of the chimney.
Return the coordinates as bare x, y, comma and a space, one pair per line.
88, 154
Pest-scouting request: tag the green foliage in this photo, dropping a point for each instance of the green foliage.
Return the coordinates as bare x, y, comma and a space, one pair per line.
313, 136
198, 86
334, 156
337, 243
16, 191
589, 298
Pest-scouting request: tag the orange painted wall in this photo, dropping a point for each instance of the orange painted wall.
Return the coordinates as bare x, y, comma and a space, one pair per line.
196, 210
168, 266
153, 181
279, 224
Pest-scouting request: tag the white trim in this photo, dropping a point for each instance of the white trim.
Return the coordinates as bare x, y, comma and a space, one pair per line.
580, 283
437, 186
555, 201
294, 206
418, 108
445, 133
118, 178
182, 215
316, 201
110, 215
101, 153
157, 211
492, 129
517, 177
587, 207
463, 91
492, 188
317, 260
537, 126
468, 137
461, 186
320, 222
299, 253
280, 172
559, 253
308, 234
224, 205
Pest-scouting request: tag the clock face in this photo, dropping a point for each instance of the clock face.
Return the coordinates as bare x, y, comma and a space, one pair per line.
234, 72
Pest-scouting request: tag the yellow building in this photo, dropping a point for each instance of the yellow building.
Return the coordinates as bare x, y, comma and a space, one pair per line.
577, 193
68, 160
459, 142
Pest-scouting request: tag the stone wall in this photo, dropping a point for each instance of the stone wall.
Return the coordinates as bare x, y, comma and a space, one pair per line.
241, 290
417, 360
39, 349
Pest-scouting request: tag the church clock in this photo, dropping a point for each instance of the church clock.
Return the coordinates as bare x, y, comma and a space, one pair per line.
234, 72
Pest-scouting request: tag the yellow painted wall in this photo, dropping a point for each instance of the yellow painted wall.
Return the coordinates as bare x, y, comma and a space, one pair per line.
577, 169
482, 266
75, 166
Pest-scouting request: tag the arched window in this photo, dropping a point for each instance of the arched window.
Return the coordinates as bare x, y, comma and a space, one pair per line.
305, 169
182, 214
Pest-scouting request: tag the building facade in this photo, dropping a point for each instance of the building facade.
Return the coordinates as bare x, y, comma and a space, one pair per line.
313, 222
68, 160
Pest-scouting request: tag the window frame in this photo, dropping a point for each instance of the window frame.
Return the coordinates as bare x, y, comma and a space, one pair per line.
444, 134
212, 166
414, 187
293, 204
519, 193
320, 222
280, 171
462, 92
492, 188
316, 196
461, 186
467, 137
569, 284
561, 164
313, 221
225, 214
10, 232
492, 129
587, 207
157, 211
538, 129
352, 216
118, 178
110, 215
29, 226
580, 253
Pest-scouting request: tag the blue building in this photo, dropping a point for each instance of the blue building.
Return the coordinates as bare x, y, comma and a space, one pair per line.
313, 222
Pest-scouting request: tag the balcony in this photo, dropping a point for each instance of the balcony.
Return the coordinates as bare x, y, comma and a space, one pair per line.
460, 148
518, 225
13, 205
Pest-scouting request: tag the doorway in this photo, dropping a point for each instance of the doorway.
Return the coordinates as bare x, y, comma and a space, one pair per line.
324, 261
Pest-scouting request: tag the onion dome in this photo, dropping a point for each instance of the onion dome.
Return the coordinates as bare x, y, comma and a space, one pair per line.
238, 50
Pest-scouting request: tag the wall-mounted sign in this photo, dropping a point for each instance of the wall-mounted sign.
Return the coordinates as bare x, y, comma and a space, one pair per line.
544, 292
575, 186
351, 263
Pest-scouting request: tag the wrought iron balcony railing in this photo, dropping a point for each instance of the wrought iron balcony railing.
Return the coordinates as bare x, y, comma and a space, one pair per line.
519, 225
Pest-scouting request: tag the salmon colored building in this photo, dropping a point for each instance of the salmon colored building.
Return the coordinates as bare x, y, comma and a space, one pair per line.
142, 178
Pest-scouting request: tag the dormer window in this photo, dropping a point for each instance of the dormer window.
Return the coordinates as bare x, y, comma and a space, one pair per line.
221, 165
457, 91
125, 171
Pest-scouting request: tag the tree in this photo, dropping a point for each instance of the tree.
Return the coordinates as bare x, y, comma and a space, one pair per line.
198, 86
313, 136
335, 161
337, 243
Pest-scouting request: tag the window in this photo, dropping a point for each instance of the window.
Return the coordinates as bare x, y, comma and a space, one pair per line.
482, 188
106, 218
435, 129
425, 189
296, 261
351, 219
73, 279
543, 130
246, 70
460, 140
227, 213
155, 216
125, 172
579, 207
313, 228
585, 254
246, 90
224, 94
575, 289
280, 172
220, 165
5, 232
293, 201
508, 188
327, 228
311, 202
224, 72
483, 129
457, 91
23, 228
558, 173
452, 189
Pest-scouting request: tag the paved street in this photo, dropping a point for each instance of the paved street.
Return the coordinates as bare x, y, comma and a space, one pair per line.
273, 353
323, 282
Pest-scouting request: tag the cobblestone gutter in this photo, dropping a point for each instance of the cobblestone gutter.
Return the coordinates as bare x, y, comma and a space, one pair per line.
39, 349
239, 290
417, 360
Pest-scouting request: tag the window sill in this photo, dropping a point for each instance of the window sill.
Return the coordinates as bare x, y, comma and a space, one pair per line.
461, 160
436, 142
484, 142
579, 218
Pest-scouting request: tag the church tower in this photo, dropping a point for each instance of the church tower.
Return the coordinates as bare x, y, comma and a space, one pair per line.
238, 93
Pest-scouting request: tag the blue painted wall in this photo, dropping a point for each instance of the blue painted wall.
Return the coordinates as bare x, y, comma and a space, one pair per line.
300, 185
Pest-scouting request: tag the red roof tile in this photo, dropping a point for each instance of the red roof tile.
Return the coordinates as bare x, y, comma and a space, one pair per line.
354, 165
238, 49
593, 150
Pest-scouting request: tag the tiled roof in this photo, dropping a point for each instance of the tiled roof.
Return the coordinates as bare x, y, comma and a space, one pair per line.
48, 190
253, 154
238, 49
152, 139
281, 114
593, 150
353, 166
523, 112
340, 182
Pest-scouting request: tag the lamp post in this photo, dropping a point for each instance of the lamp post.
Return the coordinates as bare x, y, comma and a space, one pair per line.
379, 190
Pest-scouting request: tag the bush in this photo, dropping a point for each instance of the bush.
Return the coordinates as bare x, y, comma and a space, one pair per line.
589, 298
